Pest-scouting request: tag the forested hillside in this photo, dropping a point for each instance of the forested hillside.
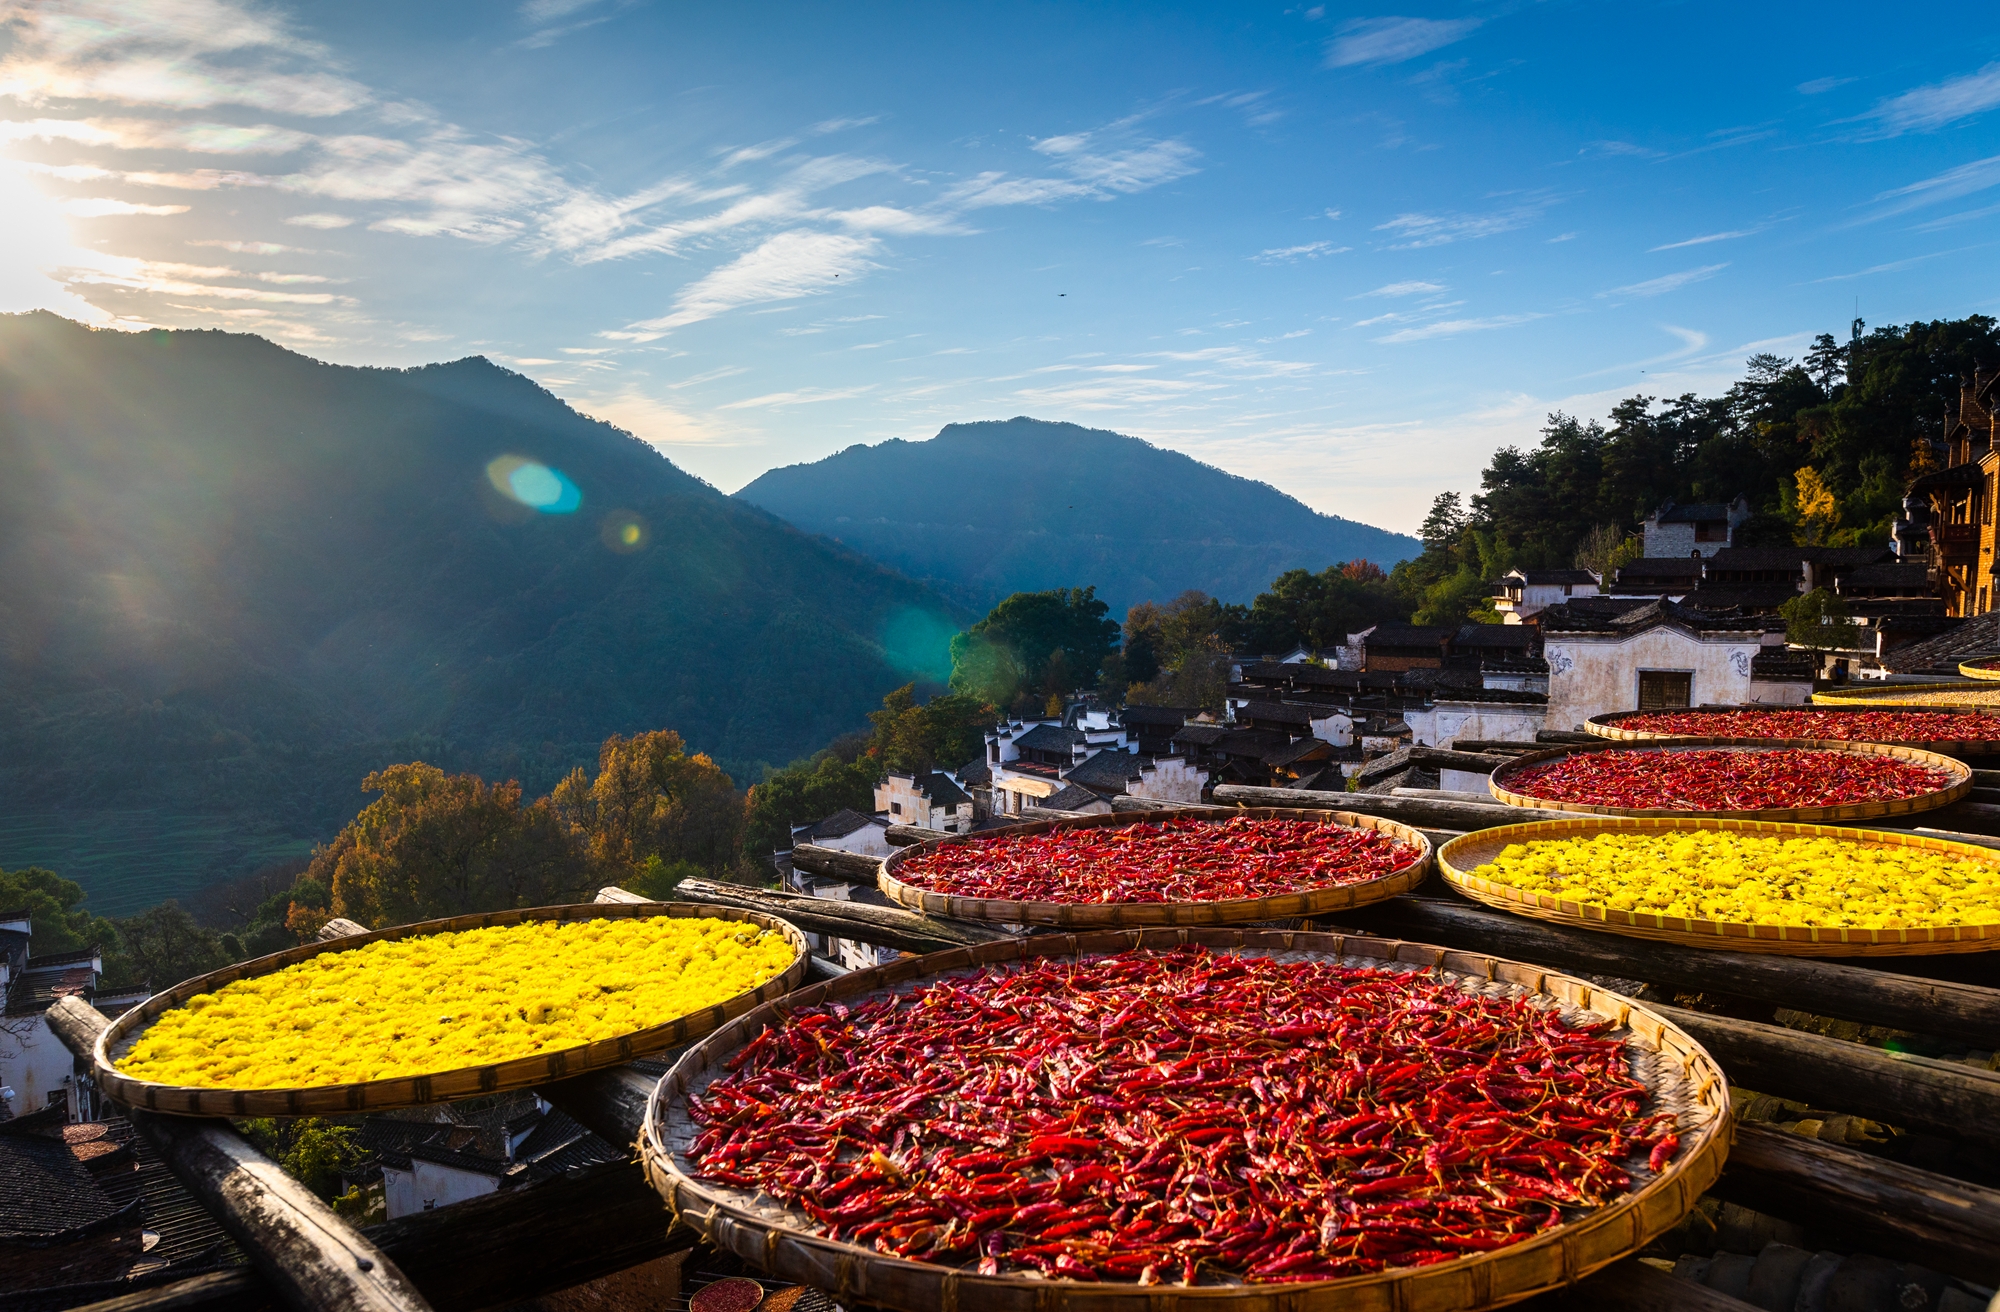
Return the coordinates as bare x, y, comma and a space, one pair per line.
988, 509
1823, 446
234, 580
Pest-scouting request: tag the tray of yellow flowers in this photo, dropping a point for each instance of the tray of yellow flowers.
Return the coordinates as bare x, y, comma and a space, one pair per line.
446, 1009
1746, 885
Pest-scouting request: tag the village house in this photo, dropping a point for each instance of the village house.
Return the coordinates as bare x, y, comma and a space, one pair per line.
1963, 562
1608, 655
1521, 594
431, 1157
928, 800
36, 1070
1394, 647
847, 830
1649, 576
1694, 528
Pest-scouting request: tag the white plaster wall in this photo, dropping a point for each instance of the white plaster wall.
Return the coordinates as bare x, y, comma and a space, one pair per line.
399, 1193
1501, 723
1169, 779
442, 1186
1591, 674
33, 1063
1336, 729
1774, 693
867, 840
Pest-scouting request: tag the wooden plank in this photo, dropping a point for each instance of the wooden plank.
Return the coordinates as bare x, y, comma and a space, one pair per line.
1135, 805
832, 863
1498, 746
1957, 1102
1443, 795
1858, 993
1632, 1286
1420, 812
889, 927
1871, 1203
217, 1291
1432, 758
311, 1258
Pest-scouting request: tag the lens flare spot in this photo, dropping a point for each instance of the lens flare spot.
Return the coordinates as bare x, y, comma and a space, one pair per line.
533, 484
918, 642
623, 532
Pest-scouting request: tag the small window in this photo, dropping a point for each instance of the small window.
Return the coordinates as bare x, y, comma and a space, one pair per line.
1665, 690
895, 808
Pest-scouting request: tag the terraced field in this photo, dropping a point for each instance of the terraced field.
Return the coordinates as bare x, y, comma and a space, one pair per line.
129, 860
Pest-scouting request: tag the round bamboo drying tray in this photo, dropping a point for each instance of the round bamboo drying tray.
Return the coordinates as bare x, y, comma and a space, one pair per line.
1957, 771
437, 1086
1898, 694
1612, 726
1974, 669
1133, 915
1461, 857
1682, 1076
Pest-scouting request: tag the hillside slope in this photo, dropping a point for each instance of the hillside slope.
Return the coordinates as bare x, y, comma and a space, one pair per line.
986, 509
233, 579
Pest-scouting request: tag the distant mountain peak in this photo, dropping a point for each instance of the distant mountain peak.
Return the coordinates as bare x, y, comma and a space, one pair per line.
989, 507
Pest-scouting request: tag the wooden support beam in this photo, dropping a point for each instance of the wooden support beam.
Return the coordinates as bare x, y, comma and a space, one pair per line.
1873, 1204
216, 1291
1421, 812
1632, 1286
832, 863
1135, 805
311, 1258
889, 927
1431, 758
1825, 988
1955, 1101
1443, 795
1496, 746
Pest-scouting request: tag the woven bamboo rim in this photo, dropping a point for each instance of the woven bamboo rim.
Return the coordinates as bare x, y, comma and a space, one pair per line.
1132, 915
438, 1086
785, 1244
1612, 726
1894, 694
1958, 771
1461, 857
1973, 670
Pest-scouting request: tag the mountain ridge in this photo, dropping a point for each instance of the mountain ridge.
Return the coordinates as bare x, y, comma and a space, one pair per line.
233, 579
1026, 504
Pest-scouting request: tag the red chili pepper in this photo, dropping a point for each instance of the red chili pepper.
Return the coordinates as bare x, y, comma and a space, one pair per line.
1881, 726
1181, 860
1729, 779
1246, 1154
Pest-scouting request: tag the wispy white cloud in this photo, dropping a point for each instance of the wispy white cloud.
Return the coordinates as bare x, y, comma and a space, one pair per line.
1457, 327
1312, 250
101, 207
1819, 86
1937, 189
1412, 288
1380, 41
323, 222
1416, 231
1667, 283
784, 267
1705, 239
1927, 108
804, 396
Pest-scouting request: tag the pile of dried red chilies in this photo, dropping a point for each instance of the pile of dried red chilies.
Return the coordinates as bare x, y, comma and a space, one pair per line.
1742, 779
1181, 1116
1180, 860
1824, 726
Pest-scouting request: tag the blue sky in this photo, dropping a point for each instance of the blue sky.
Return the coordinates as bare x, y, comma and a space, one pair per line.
1347, 250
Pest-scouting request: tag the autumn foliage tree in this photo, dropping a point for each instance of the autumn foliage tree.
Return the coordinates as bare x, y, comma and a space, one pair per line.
436, 844
653, 803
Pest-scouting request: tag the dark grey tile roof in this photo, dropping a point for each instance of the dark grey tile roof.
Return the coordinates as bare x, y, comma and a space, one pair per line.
975, 772
1757, 560
45, 1192
1978, 636
1405, 635
1048, 738
1106, 771
1487, 636
1495, 696
1776, 663
1914, 580
1273, 713
1594, 615
1199, 735
842, 823
1660, 567
1301, 750
938, 786
1743, 596
1070, 798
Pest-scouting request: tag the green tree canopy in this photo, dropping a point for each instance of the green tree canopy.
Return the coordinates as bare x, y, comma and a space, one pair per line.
943, 733
651, 799
1034, 644
163, 945
57, 919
